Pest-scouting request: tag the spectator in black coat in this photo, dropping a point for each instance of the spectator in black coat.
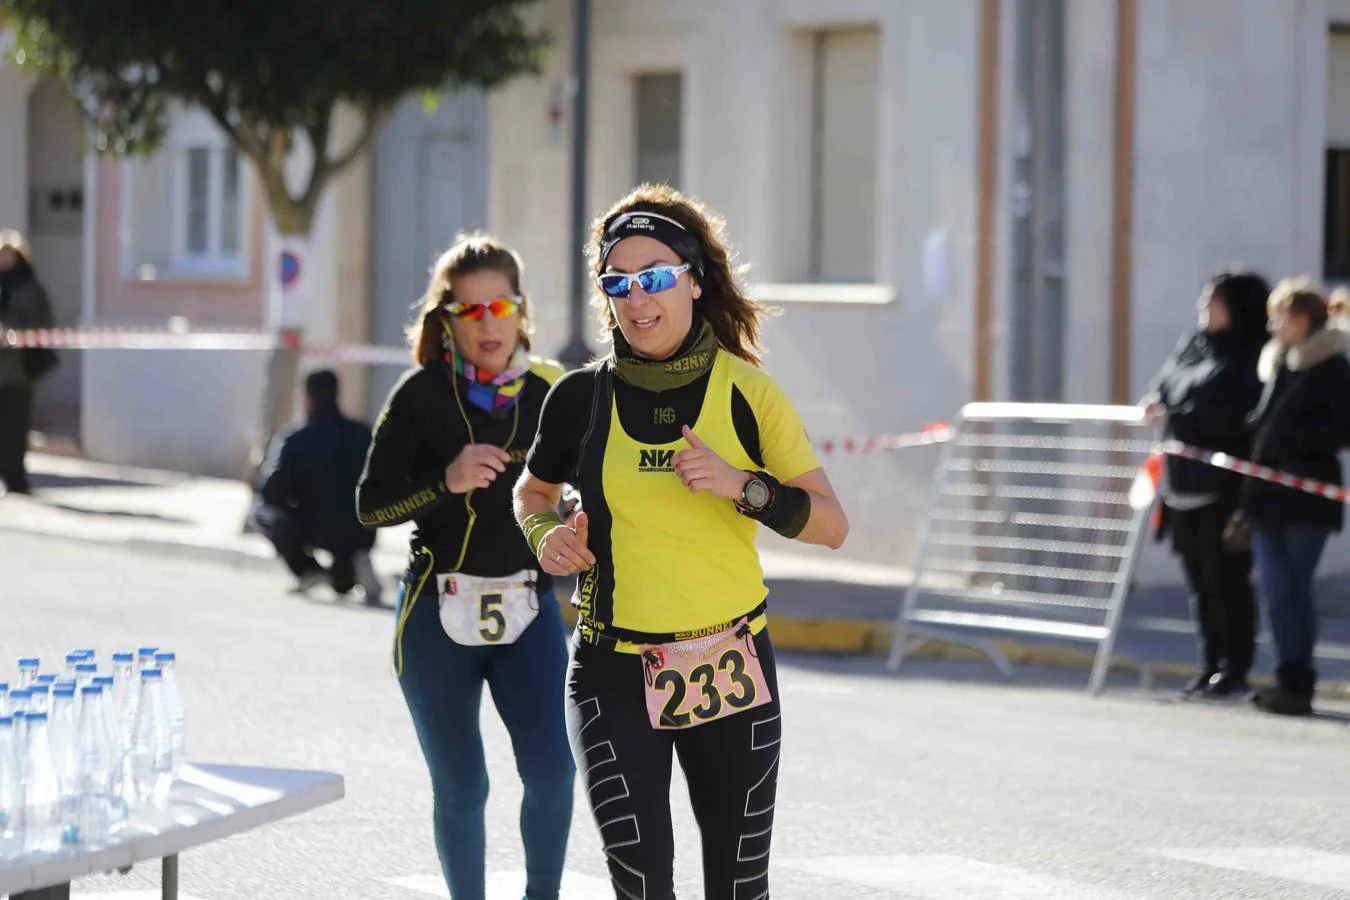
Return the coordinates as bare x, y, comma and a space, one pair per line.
1301, 425
1204, 394
308, 494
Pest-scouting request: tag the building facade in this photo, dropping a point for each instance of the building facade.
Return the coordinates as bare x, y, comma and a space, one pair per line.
949, 200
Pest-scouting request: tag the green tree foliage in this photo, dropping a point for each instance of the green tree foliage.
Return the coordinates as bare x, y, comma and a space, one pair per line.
266, 70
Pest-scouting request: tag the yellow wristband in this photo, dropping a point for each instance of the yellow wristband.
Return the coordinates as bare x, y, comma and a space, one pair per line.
537, 527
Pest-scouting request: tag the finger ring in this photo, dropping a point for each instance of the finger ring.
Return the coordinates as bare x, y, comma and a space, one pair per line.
557, 557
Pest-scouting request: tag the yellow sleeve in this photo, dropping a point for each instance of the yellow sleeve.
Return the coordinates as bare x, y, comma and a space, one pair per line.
783, 442
546, 369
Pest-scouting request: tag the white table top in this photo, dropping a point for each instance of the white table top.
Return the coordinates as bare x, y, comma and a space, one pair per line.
207, 803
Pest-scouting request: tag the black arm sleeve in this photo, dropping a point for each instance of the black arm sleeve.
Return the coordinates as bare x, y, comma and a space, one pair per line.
391, 491
562, 427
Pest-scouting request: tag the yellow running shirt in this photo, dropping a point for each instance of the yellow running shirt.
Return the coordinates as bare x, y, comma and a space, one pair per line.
670, 563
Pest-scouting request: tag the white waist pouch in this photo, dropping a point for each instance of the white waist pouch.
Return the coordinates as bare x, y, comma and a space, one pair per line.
478, 611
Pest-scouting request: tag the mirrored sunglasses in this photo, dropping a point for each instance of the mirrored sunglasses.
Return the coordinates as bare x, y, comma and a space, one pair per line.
652, 281
473, 312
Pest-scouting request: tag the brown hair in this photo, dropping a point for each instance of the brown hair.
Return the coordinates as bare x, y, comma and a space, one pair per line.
472, 252
734, 317
1301, 296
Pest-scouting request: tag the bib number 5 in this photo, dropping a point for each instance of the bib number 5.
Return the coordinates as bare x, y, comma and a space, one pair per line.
493, 628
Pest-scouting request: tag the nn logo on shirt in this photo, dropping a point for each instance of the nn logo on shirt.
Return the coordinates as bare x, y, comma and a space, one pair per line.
656, 461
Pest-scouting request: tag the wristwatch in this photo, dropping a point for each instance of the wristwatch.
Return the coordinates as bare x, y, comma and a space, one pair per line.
756, 495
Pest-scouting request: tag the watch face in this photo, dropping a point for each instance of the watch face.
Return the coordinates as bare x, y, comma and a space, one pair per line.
756, 494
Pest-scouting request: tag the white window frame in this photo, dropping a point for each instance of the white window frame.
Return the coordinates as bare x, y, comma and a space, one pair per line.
190, 130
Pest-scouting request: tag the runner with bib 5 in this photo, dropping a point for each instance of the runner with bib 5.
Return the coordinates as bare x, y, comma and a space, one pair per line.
680, 447
475, 606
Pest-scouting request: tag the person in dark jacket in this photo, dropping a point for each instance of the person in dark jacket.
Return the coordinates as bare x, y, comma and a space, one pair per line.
1301, 425
23, 304
1204, 393
307, 491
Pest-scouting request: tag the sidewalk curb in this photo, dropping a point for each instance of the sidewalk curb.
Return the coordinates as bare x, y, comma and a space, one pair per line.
839, 636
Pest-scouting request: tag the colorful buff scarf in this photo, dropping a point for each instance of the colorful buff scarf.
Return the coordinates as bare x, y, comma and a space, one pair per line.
494, 393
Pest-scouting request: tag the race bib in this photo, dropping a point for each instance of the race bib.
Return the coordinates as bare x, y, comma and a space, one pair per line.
703, 679
477, 611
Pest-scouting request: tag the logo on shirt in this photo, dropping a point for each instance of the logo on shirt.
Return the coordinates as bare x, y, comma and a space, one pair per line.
656, 461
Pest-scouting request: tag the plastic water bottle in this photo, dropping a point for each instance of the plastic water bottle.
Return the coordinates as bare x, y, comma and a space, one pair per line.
73, 659
96, 808
28, 670
11, 792
112, 728
151, 744
18, 708
125, 691
42, 790
64, 736
40, 698
173, 708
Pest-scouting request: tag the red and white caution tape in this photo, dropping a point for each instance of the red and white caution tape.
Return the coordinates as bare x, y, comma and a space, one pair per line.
934, 433
174, 339
1252, 470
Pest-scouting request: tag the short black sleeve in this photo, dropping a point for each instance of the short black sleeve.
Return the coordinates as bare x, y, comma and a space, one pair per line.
562, 427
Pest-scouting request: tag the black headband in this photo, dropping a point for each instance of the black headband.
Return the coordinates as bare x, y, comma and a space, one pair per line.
653, 225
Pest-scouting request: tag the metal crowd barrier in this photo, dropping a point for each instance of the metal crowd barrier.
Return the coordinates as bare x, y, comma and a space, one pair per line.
1034, 525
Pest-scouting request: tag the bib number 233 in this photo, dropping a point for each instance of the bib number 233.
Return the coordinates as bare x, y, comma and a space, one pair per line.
477, 611
702, 680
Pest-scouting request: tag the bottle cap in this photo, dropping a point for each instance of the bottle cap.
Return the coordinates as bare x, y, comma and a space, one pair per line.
148, 651
74, 656
4, 685
64, 690
86, 652
6, 721
91, 689
20, 694
35, 717
87, 667
121, 657
104, 681
165, 656
39, 689
46, 678
150, 673
29, 662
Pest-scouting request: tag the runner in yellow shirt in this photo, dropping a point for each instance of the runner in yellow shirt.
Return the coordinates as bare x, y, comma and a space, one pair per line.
680, 446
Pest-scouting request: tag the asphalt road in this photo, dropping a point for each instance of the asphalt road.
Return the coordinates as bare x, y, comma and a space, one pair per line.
945, 783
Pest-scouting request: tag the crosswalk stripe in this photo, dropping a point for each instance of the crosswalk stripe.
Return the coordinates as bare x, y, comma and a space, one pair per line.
509, 885
1302, 864
940, 876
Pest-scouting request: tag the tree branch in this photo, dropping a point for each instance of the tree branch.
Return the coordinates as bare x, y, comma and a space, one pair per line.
374, 119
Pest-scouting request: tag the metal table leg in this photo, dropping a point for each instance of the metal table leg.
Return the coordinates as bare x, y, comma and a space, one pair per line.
169, 878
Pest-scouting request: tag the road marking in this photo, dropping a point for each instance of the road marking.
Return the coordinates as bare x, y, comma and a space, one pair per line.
940, 876
1302, 864
509, 885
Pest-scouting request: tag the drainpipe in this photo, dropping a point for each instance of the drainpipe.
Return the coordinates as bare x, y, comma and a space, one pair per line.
576, 353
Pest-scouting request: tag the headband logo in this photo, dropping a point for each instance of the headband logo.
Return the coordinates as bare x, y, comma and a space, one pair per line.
642, 222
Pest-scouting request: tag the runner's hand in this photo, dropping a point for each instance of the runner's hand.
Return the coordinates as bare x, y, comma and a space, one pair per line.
477, 466
564, 550
701, 469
